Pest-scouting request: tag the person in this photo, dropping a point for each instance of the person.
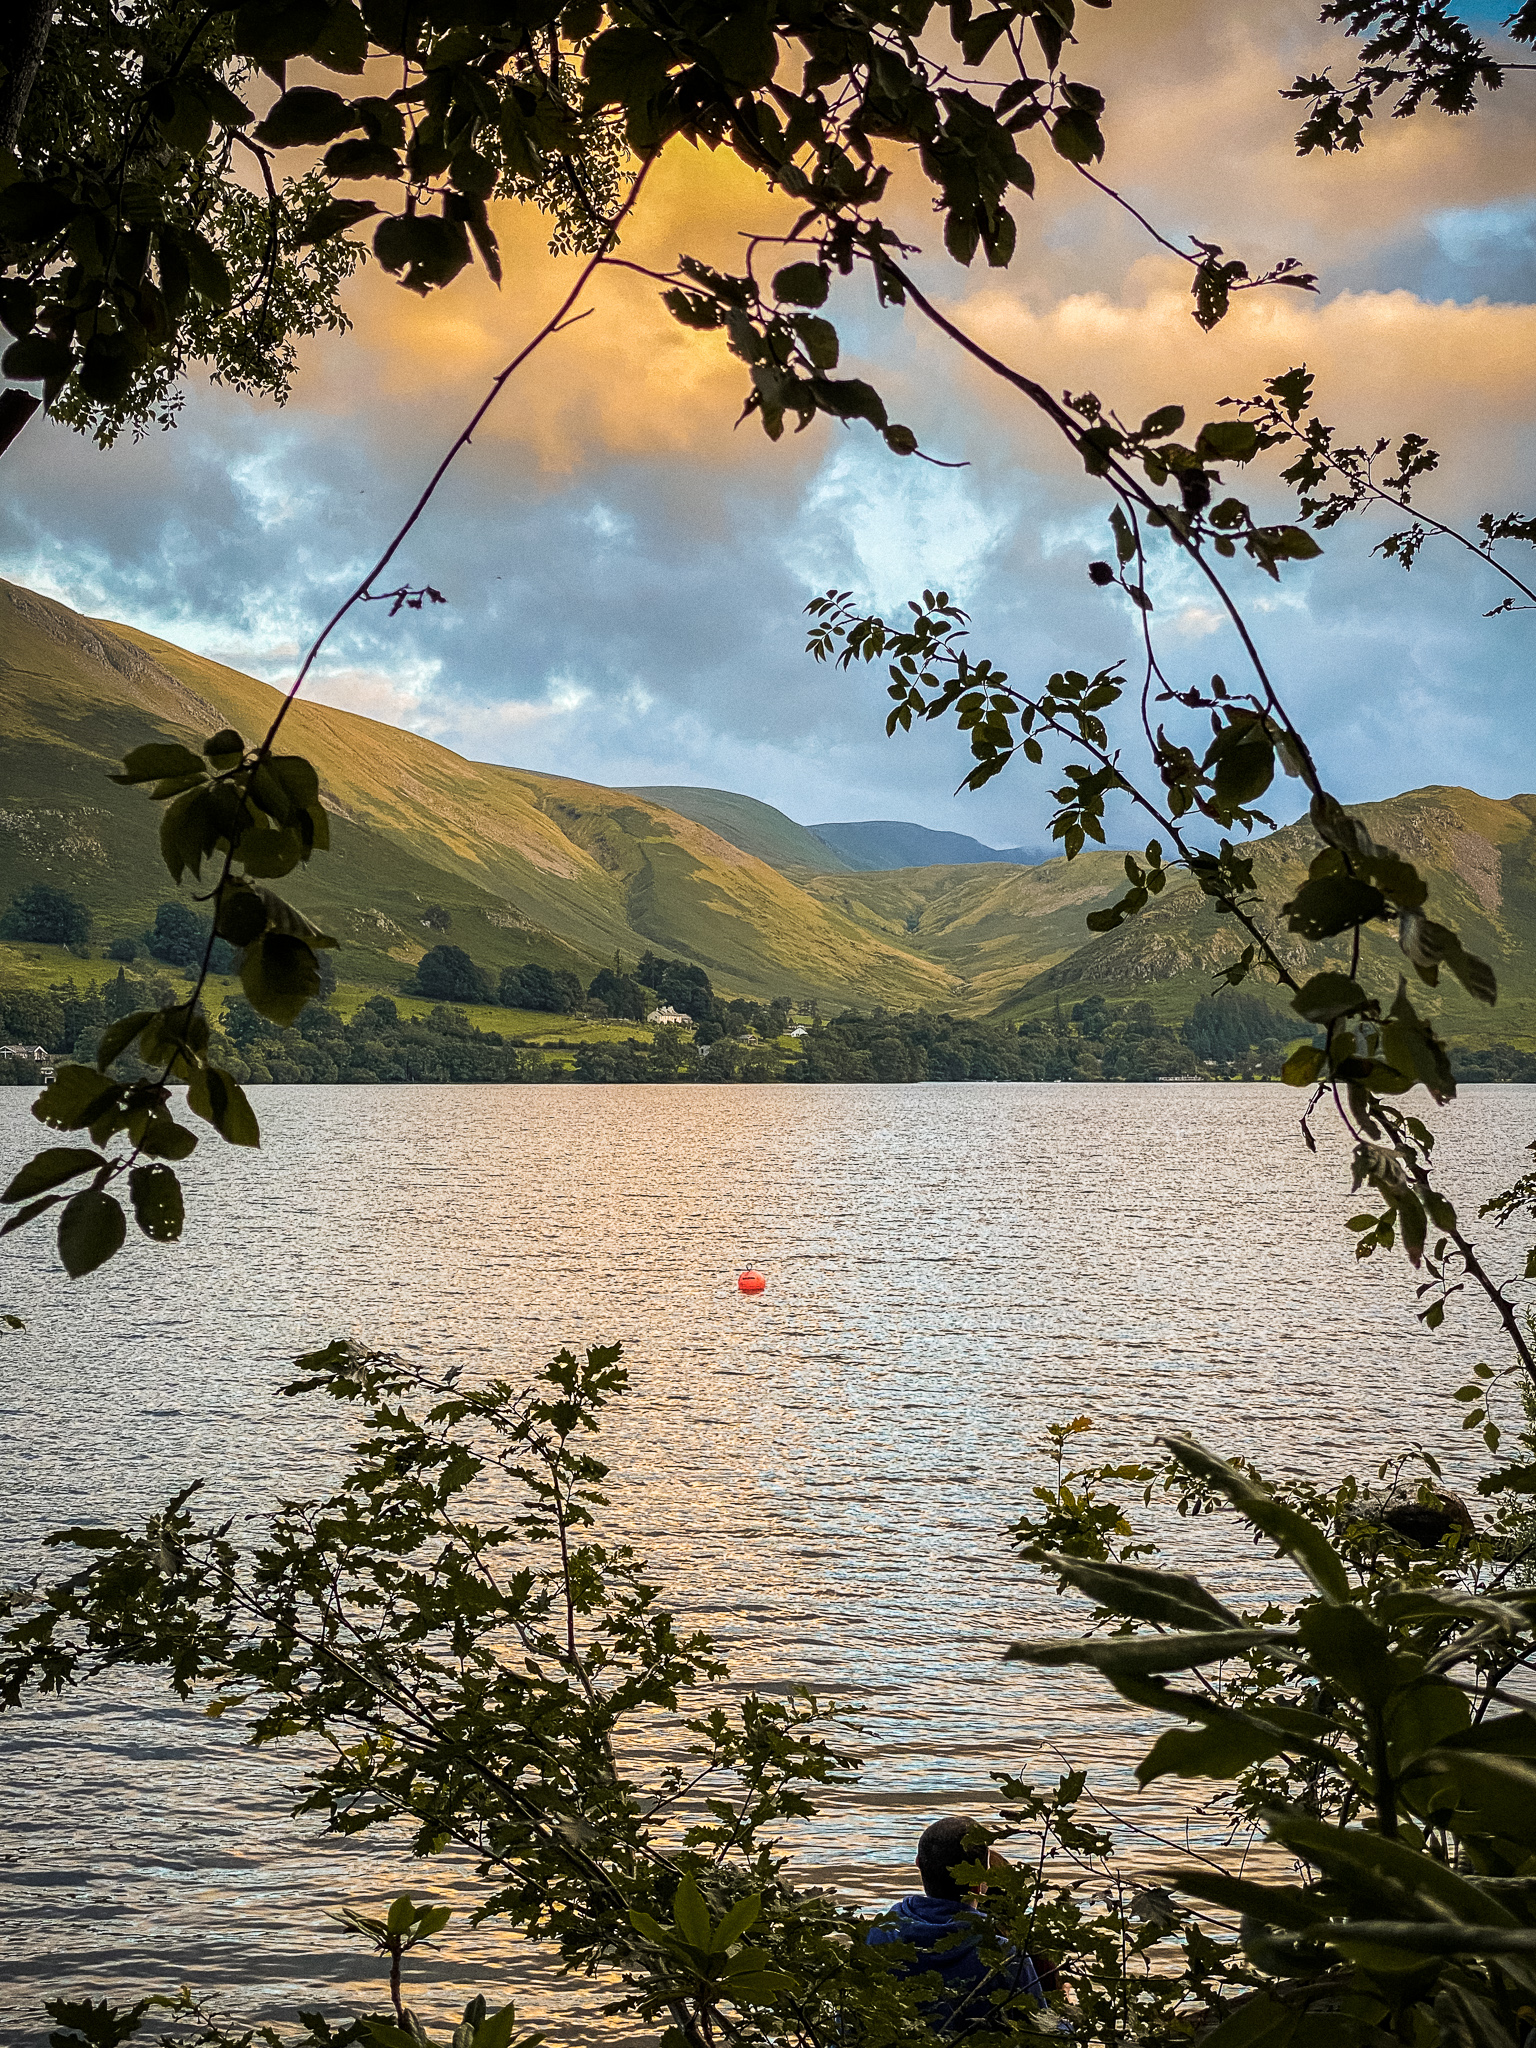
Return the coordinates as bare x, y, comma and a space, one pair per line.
945, 1931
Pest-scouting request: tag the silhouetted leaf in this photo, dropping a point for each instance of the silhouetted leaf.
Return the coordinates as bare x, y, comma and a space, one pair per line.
91, 1230
51, 1169
157, 1203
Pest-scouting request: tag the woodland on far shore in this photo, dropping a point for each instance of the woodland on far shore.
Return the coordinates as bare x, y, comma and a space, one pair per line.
614, 1028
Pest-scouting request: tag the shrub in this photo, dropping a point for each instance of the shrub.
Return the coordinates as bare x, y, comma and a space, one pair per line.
448, 975
621, 994
179, 937
126, 950
532, 987
43, 916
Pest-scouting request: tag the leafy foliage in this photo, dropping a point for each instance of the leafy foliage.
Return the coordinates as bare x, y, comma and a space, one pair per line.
180, 938
378, 1045
45, 916
1228, 1027
64, 1017
1494, 1063
475, 1684
492, 1678
620, 994
1419, 49
1357, 1727
132, 245
1332, 479
257, 815
448, 975
534, 987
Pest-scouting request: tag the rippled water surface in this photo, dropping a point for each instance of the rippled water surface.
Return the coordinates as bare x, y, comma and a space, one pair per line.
822, 1475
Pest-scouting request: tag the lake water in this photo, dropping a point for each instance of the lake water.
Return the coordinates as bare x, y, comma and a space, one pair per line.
822, 1475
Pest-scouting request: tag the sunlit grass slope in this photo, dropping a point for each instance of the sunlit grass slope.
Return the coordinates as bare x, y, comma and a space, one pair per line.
529, 866
1478, 855
539, 867
989, 925
756, 828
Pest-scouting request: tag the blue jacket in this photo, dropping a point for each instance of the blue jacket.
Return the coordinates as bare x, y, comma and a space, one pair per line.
946, 1934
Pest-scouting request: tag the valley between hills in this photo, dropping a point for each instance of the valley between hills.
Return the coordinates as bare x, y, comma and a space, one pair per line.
546, 868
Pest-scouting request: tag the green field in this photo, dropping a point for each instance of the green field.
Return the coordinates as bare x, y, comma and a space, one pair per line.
48, 967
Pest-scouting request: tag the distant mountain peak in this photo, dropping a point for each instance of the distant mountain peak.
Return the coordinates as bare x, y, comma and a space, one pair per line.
875, 844
748, 824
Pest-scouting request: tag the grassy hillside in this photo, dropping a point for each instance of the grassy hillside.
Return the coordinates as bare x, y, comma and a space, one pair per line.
1477, 854
541, 867
987, 925
529, 866
878, 844
753, 827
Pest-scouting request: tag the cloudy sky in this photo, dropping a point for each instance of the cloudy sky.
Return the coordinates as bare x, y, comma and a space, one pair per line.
626, 570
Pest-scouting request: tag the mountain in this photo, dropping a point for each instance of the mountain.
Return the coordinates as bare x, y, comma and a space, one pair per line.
1477, 853
874, 847
884, 843
546, 868
980, 923
753, 827
528, 866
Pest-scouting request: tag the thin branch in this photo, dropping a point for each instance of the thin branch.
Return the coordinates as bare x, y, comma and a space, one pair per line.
499, 383
1127, 486
556, 324
1141, 220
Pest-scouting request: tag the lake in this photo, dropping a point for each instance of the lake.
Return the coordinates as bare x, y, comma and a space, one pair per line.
821, 1475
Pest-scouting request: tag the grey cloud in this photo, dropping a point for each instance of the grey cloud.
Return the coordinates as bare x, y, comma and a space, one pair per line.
642, 622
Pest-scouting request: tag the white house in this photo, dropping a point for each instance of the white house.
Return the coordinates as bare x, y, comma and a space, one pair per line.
799, 1031
667, 1015
24, 1052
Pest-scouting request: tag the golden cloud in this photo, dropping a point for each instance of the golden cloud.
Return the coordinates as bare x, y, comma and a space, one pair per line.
626, 380
1385, 363
1199, 138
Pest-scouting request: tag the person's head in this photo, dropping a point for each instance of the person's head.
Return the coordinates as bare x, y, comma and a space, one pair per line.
954, 1840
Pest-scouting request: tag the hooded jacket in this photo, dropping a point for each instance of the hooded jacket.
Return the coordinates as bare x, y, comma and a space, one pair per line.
947, 1934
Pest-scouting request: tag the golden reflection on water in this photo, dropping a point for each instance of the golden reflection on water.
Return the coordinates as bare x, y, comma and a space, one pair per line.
821, 1475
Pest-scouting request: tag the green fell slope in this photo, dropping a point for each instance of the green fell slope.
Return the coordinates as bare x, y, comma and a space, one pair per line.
1477, 853
529, 866
985, 924
753, 827
547, 868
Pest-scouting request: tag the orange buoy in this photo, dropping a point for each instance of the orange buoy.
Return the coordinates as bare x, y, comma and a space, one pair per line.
750, 1282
